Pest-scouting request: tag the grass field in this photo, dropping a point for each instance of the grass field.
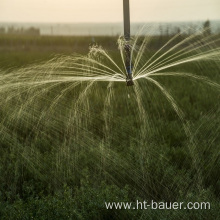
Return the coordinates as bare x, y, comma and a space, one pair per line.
66, 150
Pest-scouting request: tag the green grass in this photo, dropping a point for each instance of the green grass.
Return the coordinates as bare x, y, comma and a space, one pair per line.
55, 168
17, 51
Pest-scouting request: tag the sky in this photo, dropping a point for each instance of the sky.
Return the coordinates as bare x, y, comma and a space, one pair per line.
107, 10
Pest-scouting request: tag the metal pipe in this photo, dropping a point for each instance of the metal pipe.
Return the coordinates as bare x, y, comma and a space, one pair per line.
127, 42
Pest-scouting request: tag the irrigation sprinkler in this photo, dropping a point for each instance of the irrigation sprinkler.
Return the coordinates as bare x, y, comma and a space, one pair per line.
127, 48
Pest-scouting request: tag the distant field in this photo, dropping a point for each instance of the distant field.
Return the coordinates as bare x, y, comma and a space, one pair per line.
19, 50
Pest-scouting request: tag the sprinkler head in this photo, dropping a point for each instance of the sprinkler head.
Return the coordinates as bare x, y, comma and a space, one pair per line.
129, 79
130, 82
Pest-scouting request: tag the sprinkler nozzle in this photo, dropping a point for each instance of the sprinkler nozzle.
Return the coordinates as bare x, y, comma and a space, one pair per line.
130, 82
129, 79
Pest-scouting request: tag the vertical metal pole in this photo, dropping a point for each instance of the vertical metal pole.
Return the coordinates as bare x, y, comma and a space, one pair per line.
126, 20
127, 43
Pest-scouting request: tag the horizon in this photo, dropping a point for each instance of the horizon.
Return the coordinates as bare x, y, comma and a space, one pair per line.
107, 22
108, 28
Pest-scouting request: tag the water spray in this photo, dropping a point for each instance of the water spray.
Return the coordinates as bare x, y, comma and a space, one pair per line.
127, 48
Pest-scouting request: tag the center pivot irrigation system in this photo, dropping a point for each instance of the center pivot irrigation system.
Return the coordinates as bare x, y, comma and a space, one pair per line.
127, 37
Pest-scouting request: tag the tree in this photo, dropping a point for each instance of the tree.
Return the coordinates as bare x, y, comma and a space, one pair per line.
2, 30
207, 28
